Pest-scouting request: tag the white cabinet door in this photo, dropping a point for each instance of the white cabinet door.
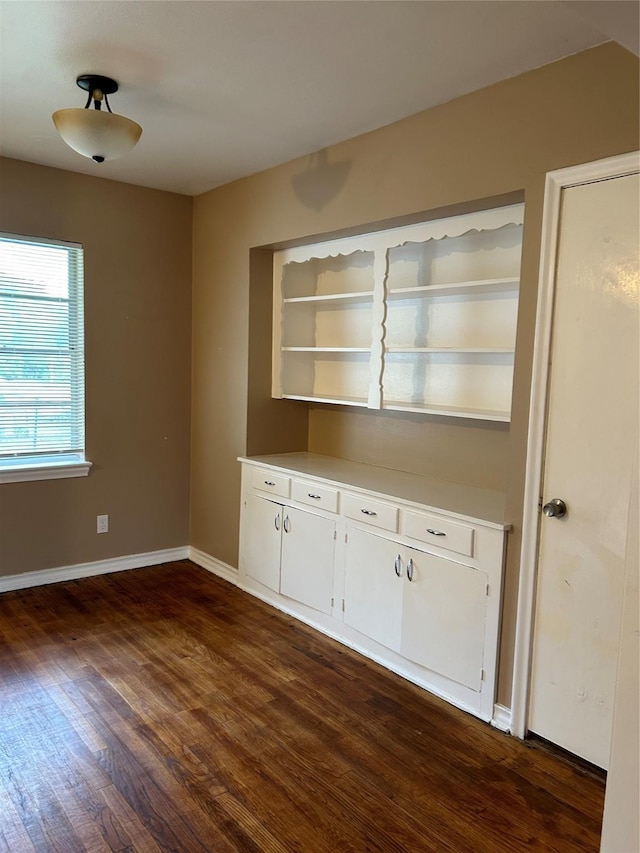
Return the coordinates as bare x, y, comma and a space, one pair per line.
264, 541
433, 614
443, 617
306, 572
373, 590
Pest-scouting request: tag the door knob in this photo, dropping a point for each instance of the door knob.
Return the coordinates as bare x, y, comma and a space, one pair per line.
556, 508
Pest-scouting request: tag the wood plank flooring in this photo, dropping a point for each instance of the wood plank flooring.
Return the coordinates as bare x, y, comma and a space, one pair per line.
164, 710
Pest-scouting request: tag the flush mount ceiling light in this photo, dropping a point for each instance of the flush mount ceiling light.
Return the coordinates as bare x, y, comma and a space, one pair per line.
95, 133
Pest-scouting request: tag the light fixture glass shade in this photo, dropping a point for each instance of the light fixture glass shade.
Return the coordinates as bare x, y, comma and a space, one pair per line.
97, 134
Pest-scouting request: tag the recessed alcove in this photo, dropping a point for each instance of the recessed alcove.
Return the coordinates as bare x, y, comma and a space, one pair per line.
464, 328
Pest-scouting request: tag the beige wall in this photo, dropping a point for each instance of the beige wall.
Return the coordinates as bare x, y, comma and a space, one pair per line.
496, 141
137, 246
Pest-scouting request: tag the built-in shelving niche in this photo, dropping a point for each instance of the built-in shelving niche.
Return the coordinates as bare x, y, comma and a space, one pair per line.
417, 319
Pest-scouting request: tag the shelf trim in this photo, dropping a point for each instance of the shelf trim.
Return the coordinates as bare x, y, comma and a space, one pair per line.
491, 219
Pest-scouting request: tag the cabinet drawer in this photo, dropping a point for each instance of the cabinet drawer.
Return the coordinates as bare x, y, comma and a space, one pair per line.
315, 495
268, 481
438, 531
371, 512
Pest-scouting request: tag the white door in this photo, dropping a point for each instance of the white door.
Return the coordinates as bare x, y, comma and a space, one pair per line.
592, 435
373, 587
306, 572
443, 617
264, 535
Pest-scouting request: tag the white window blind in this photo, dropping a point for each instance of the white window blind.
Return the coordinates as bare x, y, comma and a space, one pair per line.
41, 351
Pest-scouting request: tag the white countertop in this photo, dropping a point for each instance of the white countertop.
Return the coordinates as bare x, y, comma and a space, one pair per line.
467, 502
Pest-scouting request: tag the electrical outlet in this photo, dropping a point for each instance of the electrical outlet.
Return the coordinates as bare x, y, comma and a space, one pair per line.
102, 523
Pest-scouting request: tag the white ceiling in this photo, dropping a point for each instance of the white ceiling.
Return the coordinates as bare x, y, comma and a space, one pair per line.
226, 88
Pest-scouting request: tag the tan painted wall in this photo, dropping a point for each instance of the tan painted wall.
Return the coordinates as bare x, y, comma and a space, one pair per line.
496, 141
137, 327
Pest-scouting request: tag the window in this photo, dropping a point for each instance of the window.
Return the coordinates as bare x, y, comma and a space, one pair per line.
41, 360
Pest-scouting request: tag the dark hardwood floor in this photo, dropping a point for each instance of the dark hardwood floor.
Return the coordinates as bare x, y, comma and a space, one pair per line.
164, 710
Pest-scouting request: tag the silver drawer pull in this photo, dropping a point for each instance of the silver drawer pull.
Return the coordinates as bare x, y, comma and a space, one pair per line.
410, 570
286, 524
315, 497
398, 566
277, 521
435, 532
269, 483
368, 512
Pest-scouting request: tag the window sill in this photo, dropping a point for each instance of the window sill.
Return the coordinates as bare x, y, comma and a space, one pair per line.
51, 468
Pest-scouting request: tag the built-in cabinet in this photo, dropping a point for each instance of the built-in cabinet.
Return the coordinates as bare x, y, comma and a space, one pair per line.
420, 318
404, 569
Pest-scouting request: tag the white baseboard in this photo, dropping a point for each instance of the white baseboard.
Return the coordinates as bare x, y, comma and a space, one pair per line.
86, 570
213, 565
501, 718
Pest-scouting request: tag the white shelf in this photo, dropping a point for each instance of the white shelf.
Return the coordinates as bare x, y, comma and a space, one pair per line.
326, 349
344, 401
462, 288
470, 350
354, 296
450, 411
422, 317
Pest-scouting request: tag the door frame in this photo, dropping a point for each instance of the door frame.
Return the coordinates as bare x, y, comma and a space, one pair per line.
555, 183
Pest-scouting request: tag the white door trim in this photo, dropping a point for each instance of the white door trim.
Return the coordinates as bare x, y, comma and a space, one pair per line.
555, 183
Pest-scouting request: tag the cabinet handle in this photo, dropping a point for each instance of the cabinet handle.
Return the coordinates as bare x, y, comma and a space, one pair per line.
398, 565
269, 483
435, 532
368, 512
315, 497
277, 521
286, 524
410, 570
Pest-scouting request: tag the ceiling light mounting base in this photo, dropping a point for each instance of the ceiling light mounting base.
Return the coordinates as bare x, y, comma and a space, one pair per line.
91, 82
